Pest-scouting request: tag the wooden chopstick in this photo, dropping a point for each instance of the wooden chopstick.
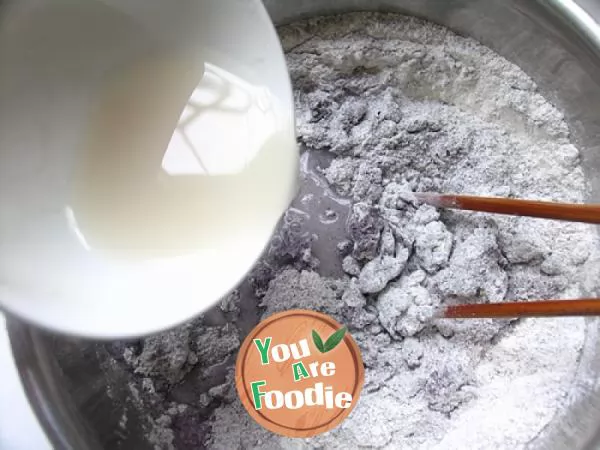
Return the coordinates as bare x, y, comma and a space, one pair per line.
539, 308
514, 207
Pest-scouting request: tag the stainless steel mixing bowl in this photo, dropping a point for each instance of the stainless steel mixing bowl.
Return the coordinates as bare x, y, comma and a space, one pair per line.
557, 42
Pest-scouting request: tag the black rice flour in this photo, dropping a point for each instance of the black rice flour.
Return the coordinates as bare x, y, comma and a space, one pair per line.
388, 105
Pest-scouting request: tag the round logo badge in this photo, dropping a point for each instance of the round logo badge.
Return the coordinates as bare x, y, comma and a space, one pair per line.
299, 373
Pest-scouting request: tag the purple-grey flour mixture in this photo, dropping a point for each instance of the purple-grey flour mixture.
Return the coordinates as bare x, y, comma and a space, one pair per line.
388, 105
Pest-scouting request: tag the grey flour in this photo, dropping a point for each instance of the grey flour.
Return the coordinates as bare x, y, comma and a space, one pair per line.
389, 105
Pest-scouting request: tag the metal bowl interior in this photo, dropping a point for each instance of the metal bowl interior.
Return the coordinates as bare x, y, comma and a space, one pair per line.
554, 41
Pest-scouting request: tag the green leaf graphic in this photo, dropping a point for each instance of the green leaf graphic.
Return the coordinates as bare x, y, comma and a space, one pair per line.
334, 340
318, 341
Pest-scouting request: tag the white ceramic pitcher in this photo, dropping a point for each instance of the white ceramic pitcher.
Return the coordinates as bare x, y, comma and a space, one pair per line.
72, 73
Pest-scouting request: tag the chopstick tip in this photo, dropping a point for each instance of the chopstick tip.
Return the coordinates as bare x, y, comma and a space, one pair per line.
433, 199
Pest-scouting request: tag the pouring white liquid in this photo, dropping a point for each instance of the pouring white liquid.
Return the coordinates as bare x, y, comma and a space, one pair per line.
181, 156
143, 205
